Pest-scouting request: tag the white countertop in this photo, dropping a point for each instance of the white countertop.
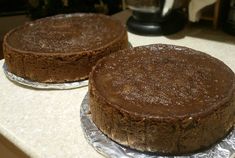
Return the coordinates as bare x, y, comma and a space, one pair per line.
46, 123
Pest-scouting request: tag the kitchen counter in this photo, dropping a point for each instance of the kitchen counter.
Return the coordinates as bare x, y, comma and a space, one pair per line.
46, 123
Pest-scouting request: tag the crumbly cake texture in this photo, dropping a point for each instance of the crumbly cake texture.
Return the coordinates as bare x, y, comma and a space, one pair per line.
62, 48
162, 98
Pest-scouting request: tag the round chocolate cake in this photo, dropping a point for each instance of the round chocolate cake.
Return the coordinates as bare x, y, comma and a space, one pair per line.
62, 48
162, 98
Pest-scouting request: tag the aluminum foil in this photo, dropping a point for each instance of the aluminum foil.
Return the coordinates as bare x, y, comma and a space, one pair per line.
38, 85
108, 148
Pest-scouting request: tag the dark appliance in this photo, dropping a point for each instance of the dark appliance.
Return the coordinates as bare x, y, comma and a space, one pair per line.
155, 17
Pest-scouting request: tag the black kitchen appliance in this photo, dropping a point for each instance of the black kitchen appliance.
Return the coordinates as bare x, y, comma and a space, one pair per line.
229, 24
155, 17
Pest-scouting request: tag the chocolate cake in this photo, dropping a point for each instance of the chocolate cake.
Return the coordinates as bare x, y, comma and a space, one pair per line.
162, 98
62, 48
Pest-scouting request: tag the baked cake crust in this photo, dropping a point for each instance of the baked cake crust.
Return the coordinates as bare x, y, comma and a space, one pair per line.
62, 48
162, 98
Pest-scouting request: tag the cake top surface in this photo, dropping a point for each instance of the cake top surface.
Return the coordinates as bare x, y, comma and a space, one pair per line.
65, 33
163, 81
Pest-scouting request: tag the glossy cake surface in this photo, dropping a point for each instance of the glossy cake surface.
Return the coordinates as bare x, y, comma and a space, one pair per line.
162, 98
57, 44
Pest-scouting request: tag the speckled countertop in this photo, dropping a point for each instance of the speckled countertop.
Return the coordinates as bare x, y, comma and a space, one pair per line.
46, 123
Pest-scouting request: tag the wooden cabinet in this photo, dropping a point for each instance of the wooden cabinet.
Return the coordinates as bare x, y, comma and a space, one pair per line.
9, 150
